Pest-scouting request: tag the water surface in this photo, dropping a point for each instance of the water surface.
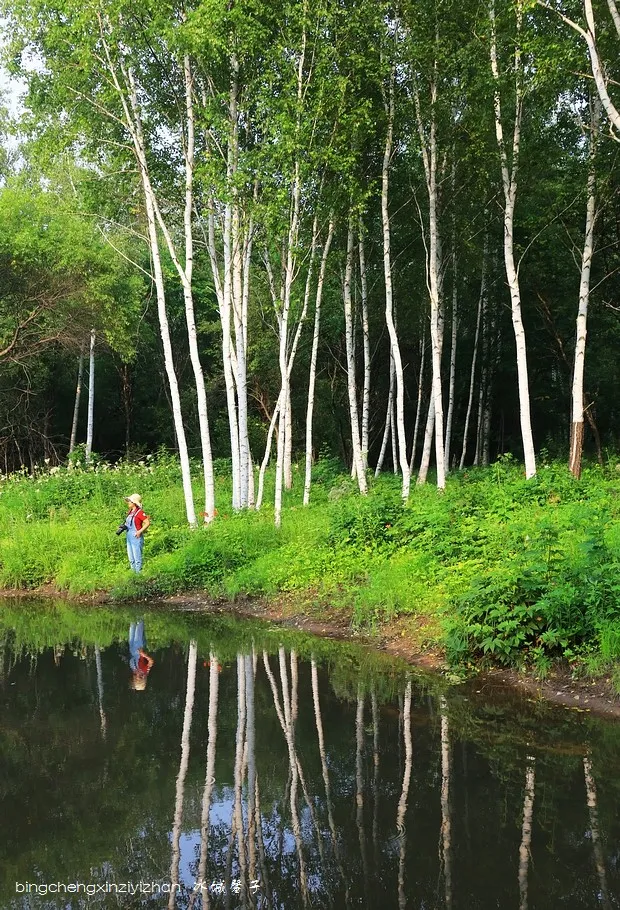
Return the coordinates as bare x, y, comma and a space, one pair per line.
258, 768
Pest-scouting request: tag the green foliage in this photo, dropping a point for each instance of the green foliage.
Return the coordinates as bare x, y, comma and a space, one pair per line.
497, 567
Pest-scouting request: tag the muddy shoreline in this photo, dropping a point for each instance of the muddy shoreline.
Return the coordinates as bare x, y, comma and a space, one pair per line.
402, 637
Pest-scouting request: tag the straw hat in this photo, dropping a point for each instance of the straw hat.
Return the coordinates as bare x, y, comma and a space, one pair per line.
135, 498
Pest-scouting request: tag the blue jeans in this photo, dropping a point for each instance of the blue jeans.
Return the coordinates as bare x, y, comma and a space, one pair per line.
135, 545
136, 642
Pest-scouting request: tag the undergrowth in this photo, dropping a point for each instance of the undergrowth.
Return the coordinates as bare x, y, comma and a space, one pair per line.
507, 569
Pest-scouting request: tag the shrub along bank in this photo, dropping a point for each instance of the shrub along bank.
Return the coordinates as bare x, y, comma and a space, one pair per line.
497, 566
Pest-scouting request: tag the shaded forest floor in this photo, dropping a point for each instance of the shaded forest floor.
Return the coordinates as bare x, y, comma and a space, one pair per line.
518, 578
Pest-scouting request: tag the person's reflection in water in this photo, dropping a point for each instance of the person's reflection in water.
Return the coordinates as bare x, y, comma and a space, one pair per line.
140, 662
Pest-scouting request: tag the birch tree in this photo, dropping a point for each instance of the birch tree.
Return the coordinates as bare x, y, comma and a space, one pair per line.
509, 174
576, 436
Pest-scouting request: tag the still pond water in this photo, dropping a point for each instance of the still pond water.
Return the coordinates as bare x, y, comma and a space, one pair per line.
251, 767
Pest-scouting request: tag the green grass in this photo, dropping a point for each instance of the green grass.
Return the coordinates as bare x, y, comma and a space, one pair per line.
505, 569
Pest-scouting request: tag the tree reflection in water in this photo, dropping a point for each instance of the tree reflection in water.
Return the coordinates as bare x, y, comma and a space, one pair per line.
284, 783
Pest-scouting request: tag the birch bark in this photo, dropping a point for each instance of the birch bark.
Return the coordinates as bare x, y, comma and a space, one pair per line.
576, 437
433, 271
90, 420
389, 299
366, 345
313, 360
509, 183
132, 120
358, 461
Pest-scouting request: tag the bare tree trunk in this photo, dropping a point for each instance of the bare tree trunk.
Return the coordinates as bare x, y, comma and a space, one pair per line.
180, 785
185, 272
358, 460
576, 440
425, 460
133, 123
265, 462
475, 353
433, 272
313, 360
509, 181
451, 384
76, 406
366, 345
389, 302
91, 397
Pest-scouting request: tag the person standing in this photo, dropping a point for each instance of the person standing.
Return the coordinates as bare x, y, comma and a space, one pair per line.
136, 523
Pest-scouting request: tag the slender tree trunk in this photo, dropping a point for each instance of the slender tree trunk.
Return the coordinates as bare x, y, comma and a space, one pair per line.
451, 384
133, 122
425, 460
90, 422
475, 353
509, 182
389, 302
366, 346
265, 462
313, 360
358, 460
429, 157
359, 787
185, 273
76, 406
576, 436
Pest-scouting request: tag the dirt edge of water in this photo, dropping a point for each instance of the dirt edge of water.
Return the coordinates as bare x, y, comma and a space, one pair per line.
410, 638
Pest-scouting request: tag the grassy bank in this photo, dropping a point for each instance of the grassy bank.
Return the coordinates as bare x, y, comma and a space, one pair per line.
495, 567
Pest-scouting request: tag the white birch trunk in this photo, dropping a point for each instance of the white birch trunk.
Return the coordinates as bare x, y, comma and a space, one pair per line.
366, 346
208, 786
90, 421
509, 182
483, 291
429, 157
389, 302
358, 460
576, 437
451, 383
76, 406
425, 460
185, 272
133, 123
265, 462
313, 360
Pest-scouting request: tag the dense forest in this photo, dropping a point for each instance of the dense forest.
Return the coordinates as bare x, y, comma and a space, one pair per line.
373, 231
